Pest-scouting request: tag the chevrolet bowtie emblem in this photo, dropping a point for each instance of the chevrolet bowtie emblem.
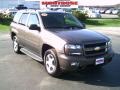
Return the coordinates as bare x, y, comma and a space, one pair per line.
97, 48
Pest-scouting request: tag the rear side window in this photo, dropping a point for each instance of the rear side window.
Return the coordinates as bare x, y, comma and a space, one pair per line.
23, 18
17, 17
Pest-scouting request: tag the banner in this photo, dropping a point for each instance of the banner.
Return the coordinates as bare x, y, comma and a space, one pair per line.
59, 3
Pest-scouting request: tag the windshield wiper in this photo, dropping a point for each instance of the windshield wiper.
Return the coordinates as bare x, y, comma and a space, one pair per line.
65, 27
73, 27
54, 27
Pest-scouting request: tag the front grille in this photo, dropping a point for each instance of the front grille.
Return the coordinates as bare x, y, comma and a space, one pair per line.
95, 49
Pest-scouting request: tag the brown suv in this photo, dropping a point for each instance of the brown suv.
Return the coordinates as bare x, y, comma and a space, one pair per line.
59, 40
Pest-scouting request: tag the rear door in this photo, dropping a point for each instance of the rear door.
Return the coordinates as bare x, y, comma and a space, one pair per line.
22, 31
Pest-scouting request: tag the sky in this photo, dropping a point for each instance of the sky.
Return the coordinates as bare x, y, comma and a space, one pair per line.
99, 2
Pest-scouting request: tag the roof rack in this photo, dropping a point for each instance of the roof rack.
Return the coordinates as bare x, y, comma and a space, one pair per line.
34, 10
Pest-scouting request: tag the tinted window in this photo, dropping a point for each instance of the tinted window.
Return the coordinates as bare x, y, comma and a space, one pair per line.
60, 20
33, 19
17, 17
52, 20
23, 18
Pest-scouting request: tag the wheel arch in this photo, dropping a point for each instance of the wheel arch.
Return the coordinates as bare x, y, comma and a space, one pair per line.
45, 47
12, 35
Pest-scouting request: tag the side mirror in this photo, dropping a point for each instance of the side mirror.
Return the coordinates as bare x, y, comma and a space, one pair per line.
83, 24
34, 27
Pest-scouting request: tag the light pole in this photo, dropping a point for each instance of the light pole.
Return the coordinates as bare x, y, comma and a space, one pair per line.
18, 2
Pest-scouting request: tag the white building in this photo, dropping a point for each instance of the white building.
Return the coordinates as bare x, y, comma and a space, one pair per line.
14, 3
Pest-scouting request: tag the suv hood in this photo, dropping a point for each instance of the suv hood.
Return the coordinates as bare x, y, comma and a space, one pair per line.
81, 36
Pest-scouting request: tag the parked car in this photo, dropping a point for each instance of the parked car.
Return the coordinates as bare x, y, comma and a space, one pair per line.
21, 6
118, 13
109, 11
11, 12
115, 11
68, 10
58, 40
93, 14
102, 11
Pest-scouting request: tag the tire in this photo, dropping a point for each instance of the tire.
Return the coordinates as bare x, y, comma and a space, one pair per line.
51, 63
16, 46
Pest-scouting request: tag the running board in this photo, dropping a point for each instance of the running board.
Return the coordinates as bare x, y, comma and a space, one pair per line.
32, 55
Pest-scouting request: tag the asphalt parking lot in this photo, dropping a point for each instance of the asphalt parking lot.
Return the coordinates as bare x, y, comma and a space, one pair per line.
20, 72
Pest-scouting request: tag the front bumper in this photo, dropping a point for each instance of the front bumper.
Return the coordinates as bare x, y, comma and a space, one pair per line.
71, 63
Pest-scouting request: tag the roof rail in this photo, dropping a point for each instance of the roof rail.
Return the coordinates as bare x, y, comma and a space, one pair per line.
28, 10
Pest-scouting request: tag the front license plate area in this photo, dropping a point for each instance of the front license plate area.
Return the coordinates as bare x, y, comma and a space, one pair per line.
99, 61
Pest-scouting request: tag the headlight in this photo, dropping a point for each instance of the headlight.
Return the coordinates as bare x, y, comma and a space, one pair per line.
71, 49
109, 44
70, 46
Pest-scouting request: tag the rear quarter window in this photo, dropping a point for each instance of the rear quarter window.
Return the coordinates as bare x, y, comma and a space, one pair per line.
17, 17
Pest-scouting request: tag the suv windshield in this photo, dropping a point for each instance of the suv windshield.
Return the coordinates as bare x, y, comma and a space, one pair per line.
60, 20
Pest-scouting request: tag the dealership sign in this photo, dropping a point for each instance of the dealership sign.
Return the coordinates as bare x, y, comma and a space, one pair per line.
58, 3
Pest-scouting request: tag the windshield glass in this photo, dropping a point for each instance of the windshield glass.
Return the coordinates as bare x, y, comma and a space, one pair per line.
60, 20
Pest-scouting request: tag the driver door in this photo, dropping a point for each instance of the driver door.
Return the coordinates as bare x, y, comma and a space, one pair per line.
33, 37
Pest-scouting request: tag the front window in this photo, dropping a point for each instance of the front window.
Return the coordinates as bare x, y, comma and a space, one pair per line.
60, 20
33, 19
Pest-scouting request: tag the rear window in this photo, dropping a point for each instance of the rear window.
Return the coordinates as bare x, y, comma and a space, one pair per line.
17, 17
